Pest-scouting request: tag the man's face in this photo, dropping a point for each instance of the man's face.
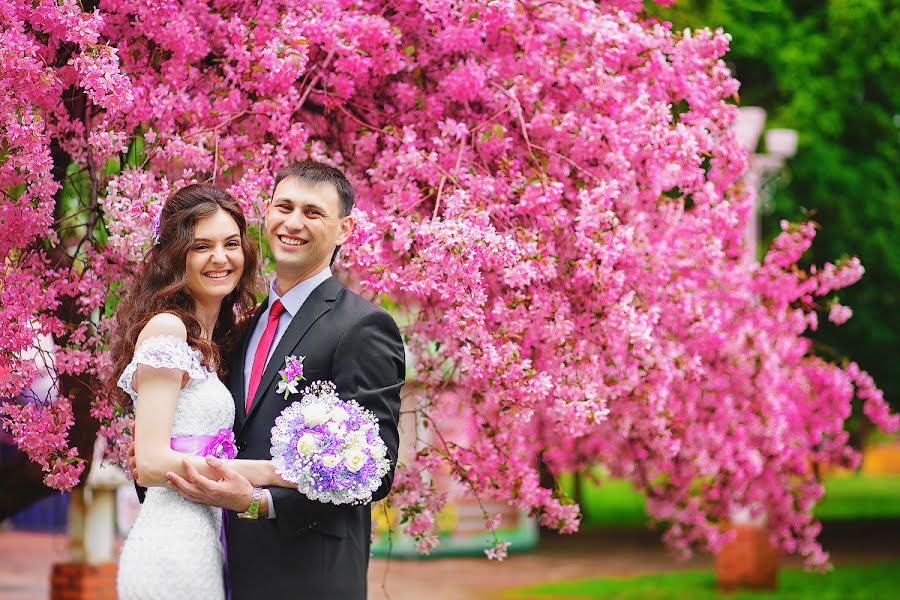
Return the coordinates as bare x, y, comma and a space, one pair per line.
303, 225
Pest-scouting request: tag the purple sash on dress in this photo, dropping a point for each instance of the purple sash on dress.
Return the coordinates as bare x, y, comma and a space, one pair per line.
221, 445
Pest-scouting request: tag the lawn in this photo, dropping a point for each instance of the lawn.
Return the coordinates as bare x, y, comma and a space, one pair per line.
860, 497
615, 503
845, 583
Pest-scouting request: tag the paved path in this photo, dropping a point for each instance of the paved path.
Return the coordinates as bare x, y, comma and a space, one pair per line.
25, 567
596, 554
27, 558
558, 557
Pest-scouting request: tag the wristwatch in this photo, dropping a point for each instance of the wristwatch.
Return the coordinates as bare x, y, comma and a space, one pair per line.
252, 511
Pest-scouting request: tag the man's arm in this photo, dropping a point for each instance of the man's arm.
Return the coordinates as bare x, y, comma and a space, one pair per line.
369, 367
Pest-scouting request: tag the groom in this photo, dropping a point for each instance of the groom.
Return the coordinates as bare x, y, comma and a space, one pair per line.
280, 543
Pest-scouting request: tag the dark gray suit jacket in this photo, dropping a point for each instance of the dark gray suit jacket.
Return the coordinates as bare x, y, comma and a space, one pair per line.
311, 549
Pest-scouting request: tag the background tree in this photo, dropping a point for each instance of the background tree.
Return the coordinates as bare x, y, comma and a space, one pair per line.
830, 70
548, 192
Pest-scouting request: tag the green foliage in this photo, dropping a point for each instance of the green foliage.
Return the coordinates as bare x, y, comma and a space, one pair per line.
830, 70
74, 211
614, 503
844, 583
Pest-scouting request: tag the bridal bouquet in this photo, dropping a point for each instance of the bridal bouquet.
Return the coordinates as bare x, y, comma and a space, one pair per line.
329, 447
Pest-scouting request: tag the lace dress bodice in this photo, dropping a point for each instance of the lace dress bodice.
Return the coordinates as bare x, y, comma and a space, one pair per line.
200, 409
173, 549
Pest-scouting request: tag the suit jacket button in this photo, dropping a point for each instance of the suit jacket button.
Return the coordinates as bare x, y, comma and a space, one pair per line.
241, 446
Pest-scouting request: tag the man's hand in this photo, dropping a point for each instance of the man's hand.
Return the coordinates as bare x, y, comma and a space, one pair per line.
232, 490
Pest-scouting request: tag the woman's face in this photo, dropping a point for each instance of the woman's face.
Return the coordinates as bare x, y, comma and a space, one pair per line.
215, 261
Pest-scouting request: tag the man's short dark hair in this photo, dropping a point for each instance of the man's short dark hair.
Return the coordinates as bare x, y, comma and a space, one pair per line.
316, 172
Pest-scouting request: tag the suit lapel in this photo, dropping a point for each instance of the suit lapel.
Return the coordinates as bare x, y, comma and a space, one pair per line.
317, 304
237, 368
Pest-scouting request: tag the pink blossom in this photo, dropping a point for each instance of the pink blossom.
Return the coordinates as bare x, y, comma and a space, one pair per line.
498, 552
839, 314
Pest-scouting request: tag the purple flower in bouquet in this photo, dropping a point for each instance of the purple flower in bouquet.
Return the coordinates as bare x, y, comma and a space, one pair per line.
329, 447
291, 376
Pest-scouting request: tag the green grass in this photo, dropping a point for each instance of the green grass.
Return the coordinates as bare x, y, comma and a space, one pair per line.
860, 497
845, 583
615, 503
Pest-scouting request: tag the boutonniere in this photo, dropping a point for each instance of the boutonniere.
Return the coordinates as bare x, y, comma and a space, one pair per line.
291, 375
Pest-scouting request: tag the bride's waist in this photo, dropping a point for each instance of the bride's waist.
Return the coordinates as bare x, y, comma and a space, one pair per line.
168, 518
164, 497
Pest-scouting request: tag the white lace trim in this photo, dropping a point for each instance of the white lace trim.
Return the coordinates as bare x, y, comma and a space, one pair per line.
163, 352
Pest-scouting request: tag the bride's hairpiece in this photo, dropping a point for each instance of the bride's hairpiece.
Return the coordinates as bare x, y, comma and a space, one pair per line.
156, 221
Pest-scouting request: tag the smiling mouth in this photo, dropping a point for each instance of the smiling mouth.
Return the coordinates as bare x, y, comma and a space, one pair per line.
292, 241
217, 274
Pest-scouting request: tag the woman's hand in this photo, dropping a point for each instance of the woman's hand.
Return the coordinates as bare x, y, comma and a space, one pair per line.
132, 465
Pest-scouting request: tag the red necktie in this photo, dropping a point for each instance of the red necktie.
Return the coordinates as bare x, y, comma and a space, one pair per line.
262, 352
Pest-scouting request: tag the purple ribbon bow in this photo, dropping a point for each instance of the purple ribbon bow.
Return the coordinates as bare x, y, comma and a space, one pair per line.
220, 445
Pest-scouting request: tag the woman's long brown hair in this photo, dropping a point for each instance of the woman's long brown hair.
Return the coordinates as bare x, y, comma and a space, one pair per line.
160, 285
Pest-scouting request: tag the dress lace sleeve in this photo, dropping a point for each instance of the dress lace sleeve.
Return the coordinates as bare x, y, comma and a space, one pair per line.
163, 352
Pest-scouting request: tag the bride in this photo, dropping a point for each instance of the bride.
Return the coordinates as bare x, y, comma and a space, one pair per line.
179, 320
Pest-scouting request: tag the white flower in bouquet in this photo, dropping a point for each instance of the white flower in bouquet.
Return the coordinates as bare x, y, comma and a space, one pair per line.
336, 428
331, 460
356, 439
355, 459
315, 414
307, 444
339, 414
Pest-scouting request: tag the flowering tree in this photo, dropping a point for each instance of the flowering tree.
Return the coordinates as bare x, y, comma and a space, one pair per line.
549, 191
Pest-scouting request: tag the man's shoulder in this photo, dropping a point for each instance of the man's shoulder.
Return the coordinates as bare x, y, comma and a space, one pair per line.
356, 312
352, 304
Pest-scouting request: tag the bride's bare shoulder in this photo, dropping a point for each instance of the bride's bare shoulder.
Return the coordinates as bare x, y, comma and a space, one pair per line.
163, 324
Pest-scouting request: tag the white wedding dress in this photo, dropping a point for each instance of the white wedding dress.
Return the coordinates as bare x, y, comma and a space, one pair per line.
174, 550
